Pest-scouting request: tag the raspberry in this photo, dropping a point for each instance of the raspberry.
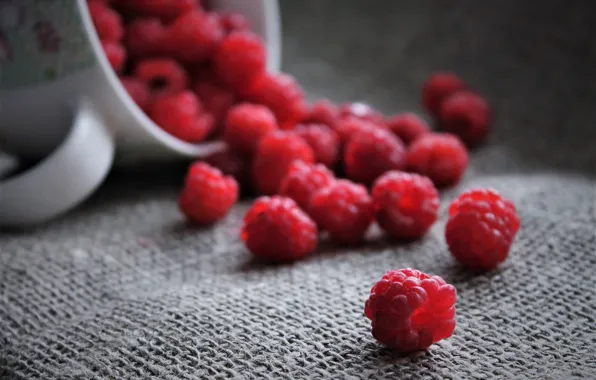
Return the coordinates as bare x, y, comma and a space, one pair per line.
437, 88
481, 228
107, 22
322, 112
407, 126
373, 153
348, 127
193, 37
240, 57
361, 111
276, 229
144, 38
233, 22
406, 205
180, 115
344, 209
138, 91
323, 141
302, 180
216, 98
162, 75
208, 195
245, 125
230, 164
466, 115
115, 54
166, 10
275, 152
411, 310
280, 93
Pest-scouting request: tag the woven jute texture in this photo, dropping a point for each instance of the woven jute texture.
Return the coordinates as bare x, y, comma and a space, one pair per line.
121, 289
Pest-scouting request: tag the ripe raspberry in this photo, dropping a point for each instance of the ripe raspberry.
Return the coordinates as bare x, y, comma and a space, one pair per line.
361, 111
240, 57
273, 157
233, 22
162, 75
440, 156
245, 125
115, 54
216, 98
107, 22
166, 10
138, 91
406, 204
144, 38
437, 88
349, 127
208, 195
193, 37
323, 141
407, 126
180, 115
344, 209
230, 164
411, 310
322, 112
280, 93
481, 228
373, 153
466, 115
276, 229
303, 180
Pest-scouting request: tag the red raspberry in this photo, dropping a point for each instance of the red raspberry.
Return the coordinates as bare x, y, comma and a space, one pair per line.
233, 22
273, 157
245, 125
280, 93
344, 209
166, 10
349, 127
193, 37
144, 38
440, 156
372, 153
208, 195
138, 91
240, 57
407, 126
437, 88
107, 22
115, 54
217, 99
481, 228
180, 115
466, 115
322, 112
411, 310
406, 204
361, 111
323, 141
276, 229
230, 164
162, 75
302, 180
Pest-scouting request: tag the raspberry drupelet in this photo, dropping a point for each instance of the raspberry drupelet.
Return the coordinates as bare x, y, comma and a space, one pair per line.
323, 141
303, 180
350, 126
437, 88
411, 310
245, 125
193, 37
276, 229
466, 115
162, 75
407, 126
322, 112
239, 58
481, 228
406, 204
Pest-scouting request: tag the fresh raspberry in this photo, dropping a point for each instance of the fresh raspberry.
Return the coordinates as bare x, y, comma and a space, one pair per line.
350, 126
481, 228
407, 126
245, 125
181, 116
276, 229
233, 22
303, 180
361, 111
466, 115
344, 209
208, 195
166, 10
144, 38
322, 112
437, 88
162, 75
406, 205
373, 153
273, 157
115, 54
323, 141
280, 93
440, 156
138, 91
216, 99
107, 22
411, 310
230, 164
193, 37
240, 57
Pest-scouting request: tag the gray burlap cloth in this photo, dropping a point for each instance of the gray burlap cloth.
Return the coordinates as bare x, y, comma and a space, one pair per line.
120, 289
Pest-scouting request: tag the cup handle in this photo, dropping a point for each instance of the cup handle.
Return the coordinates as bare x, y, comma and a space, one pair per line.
63, 179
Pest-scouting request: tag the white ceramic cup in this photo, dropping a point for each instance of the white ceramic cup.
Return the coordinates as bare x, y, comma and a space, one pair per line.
61, 103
